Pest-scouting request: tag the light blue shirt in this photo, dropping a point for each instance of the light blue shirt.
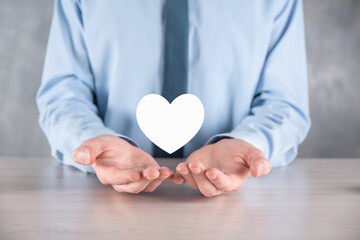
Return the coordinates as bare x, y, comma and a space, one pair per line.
247, 64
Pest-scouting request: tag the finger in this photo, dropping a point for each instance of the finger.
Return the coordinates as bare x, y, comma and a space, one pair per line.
118, 188
148, 175
184, 171
221, 181
87, 153
240, 177
205, 186
171, 176
82, 155
165, 174
151, 173
259, 165
115, 176
178, 179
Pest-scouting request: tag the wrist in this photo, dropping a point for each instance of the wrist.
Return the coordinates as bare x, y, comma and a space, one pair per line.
235, 146
129, 141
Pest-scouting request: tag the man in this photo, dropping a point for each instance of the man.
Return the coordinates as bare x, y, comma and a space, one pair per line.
245, 60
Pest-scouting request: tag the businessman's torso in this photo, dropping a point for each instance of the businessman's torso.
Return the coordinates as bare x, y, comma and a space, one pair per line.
228, 45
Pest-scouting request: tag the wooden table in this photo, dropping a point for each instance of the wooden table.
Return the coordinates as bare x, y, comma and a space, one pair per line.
309, 199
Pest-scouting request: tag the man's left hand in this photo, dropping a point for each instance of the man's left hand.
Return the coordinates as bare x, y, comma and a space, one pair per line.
222, 167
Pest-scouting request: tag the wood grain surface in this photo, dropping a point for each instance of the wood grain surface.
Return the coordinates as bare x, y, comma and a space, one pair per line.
309, 199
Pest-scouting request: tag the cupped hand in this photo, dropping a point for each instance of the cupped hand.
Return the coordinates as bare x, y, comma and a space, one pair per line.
222, 167
120, 164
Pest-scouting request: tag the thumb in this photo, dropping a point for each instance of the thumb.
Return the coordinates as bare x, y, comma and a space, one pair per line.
88, 151
259, 165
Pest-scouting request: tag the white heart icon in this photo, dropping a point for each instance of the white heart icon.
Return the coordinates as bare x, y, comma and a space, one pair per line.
170, 126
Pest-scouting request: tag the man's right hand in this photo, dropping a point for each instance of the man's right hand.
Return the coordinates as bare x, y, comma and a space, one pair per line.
120, 164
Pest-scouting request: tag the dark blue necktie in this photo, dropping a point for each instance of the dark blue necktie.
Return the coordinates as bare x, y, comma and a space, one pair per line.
175, 58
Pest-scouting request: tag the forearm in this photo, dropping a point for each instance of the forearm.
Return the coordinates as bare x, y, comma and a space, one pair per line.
278, 119
276, 128
68, 113
67, 120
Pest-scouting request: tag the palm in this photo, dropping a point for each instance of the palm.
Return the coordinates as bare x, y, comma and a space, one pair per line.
215, 158
222, 167
120, 164
115, 157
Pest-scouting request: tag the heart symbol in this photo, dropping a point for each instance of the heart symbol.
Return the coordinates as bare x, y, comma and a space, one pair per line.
170, 126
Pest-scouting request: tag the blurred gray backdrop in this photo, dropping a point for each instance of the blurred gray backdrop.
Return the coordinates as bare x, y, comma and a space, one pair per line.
333, 48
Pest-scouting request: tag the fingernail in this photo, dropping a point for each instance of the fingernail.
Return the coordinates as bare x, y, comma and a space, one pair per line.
260, 170
133, 178
87, 154
196, 170
184, 173
150, 178
212, 177
84, 156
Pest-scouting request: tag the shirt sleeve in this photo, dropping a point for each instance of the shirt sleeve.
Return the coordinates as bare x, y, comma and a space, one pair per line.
279, 119
68, 115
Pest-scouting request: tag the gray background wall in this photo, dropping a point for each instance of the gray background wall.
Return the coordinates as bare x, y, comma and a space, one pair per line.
333, 46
